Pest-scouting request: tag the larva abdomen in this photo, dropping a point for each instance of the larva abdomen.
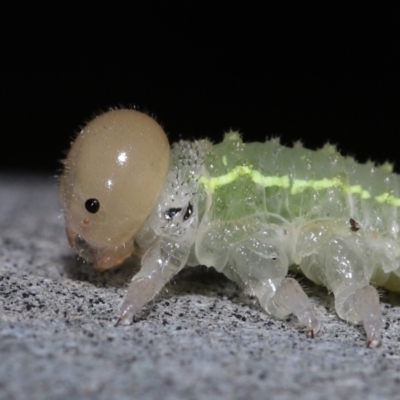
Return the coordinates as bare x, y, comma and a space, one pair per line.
315, 209
300, 185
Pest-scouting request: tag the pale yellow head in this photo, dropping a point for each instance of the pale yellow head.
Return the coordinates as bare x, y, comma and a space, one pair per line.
113, 175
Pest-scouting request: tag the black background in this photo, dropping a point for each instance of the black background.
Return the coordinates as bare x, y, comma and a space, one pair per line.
317, 74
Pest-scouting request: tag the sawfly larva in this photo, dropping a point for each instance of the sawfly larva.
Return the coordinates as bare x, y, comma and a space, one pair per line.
250, 210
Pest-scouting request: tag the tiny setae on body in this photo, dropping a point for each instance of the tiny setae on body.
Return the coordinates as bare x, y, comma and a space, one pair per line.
253, 211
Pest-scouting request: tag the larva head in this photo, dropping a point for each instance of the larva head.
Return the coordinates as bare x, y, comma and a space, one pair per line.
113, 175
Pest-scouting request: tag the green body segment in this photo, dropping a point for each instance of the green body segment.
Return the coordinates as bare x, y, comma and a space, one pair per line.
272, 181
299, 200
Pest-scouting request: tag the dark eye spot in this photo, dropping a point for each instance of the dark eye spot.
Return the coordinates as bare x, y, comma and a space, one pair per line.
188, 213
92, 205
169, 214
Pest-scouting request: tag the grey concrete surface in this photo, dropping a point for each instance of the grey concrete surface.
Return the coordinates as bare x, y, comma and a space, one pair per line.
200, 339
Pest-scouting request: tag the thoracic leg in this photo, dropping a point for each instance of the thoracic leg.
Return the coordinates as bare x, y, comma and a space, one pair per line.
160, 263
344, 269
261, 267
290, 298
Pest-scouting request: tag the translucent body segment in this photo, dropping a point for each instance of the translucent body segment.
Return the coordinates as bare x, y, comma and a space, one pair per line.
259, 263
341, 264
262, 266
167, 236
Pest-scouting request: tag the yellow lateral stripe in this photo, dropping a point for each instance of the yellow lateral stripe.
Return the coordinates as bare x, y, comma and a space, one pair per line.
222, 180
266, 181
388, 198
357, 189
297, 186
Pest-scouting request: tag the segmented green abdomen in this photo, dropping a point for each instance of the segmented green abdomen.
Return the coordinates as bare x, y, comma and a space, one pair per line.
268, 179
234, 193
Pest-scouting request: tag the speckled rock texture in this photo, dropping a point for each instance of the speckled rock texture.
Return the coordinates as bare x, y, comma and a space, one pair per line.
199, 339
